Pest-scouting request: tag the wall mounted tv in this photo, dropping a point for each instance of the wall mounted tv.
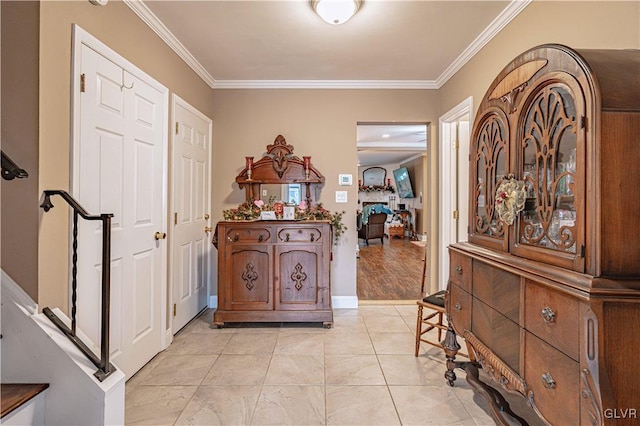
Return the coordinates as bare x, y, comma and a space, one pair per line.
403, 183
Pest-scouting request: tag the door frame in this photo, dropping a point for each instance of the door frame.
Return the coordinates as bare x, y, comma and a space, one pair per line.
177, 100
453, 183
79, 38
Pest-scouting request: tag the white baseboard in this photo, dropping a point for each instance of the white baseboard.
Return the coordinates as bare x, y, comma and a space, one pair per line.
338, 302
344, 302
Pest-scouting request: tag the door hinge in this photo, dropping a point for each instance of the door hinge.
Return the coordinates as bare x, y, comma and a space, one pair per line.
82, 83
175, 218
582, 251
583, 122
174, 309
456, 145
456, 214
176, 127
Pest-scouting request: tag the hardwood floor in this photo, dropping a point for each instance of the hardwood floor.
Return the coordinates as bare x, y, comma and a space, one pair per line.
389, 271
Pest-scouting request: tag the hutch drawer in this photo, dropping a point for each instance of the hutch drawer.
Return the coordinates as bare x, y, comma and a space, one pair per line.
460, 307
460, 271
299, 234
553, 316
251, 235
552, 381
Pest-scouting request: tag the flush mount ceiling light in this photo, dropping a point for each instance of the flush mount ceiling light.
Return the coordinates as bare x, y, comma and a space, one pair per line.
336, 12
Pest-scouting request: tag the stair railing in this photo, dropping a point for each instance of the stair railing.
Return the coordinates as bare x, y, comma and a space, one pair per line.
105, 368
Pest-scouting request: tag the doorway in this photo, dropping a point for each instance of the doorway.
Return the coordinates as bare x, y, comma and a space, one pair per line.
390, 267
455, 128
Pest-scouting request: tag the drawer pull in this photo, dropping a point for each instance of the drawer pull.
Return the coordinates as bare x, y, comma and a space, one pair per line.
234, 239
313, 237
261, 238
548, 381
548, 315
286, 238
458, 307
459, 270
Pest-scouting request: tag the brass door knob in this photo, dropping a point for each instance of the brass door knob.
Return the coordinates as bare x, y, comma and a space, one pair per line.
208, 229
159, 235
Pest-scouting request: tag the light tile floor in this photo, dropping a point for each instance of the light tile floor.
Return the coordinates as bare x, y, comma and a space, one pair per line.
360, 372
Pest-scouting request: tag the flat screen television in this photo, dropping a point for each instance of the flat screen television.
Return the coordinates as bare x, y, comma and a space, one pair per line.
403, 182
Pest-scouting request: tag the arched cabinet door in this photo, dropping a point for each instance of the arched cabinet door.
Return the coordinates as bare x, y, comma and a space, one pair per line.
489, 165
550, 152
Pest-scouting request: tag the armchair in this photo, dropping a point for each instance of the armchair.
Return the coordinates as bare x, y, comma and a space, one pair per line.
374, 228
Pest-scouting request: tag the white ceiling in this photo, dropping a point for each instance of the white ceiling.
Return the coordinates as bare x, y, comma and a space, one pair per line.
384, 143
413, 44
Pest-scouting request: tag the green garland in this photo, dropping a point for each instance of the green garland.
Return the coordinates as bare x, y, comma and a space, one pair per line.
251, 209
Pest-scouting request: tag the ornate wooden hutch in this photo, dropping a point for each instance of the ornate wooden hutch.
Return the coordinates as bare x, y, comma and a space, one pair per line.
274, 270
550, 304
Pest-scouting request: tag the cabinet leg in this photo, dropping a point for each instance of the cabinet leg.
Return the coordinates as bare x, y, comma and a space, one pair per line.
451, 348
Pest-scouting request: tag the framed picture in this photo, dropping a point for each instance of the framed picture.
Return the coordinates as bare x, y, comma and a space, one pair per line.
289, 213
268, 215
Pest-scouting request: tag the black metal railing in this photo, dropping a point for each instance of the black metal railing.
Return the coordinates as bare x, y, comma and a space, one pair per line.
10, 170
105, 368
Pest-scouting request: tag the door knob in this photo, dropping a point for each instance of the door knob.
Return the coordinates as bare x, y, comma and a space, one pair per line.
208, 229
159, 235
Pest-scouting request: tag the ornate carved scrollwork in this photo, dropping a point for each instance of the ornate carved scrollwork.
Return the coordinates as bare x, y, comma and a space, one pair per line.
298, 276
280, 152
249, 276
491, 143
547, 123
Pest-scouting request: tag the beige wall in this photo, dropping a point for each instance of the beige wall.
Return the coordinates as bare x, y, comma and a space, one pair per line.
20, 142
320, 123
120, 29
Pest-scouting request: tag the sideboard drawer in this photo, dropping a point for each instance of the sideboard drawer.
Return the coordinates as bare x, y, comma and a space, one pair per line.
553, 316
553, 378
497, 288
459, 308
460, 270
248, 235
299, 234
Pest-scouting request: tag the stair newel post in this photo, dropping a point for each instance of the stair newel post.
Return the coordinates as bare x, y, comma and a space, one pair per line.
106, 292
74, 273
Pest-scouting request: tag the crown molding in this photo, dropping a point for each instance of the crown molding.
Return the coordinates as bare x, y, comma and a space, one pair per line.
149, 18
325, 84
508, 14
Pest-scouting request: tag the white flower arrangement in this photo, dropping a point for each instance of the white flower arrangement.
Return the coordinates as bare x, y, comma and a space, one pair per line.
510, 197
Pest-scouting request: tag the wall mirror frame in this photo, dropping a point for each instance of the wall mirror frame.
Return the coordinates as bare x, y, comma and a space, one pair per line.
374, 176
279, 166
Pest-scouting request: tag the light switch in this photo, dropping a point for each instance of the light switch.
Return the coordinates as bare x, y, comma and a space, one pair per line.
264, 192
341, 196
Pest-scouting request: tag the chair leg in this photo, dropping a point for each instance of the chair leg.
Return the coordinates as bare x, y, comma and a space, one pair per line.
418, 329
439, 329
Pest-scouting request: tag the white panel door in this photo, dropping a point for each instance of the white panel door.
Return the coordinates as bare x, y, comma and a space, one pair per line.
190, 239
120, 169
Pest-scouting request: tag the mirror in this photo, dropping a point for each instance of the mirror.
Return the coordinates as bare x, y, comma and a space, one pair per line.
291, 193
374, 176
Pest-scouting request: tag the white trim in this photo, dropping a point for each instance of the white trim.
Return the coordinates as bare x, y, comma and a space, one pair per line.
326, 84
12, 292
508, 14
344, 302
149, 18
446, 197
213, 301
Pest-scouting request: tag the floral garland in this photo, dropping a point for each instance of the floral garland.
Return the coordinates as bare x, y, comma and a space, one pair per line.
251, 209
510, 197
372, 188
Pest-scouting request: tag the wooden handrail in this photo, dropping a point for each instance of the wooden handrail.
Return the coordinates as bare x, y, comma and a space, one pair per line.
105, 368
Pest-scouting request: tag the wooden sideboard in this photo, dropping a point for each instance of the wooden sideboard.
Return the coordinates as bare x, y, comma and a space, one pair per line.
274, 271
549, 305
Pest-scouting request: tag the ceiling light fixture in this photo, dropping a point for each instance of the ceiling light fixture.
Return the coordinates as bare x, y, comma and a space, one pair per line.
336, 12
